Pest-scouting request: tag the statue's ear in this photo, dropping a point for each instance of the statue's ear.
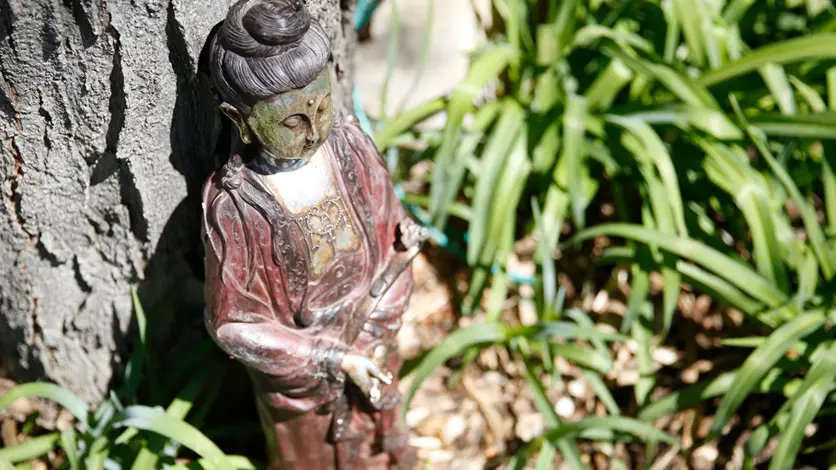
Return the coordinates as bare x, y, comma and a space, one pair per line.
235, 116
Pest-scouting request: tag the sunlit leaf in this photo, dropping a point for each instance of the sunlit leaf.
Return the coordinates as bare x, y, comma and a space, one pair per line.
60, 395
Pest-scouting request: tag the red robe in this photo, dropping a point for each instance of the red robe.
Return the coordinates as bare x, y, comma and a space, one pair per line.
264, 310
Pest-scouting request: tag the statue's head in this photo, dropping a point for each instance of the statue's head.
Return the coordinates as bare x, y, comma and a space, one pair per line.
268, 60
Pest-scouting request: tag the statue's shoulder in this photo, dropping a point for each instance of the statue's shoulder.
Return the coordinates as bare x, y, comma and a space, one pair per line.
350, 125
221, 184
348, 129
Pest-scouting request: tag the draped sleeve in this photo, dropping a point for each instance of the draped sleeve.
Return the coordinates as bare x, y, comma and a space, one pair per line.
244, 315
388, 212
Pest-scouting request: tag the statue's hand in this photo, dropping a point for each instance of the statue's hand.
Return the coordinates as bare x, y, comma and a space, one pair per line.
365, 374
412, 235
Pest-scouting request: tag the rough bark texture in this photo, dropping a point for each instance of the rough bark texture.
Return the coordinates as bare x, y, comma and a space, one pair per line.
108, 129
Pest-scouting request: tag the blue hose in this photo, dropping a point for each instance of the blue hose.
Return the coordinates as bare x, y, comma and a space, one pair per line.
363, 14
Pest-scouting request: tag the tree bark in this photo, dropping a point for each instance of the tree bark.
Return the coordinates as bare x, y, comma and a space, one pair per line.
109, 127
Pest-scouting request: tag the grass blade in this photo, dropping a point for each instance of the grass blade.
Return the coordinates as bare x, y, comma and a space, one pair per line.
735, 272
619, 424
608, 84
691, 396
779, 86
454, 344
582, 356
698, 31
406, 121
30, 449
567, 446
574, 129
808, 212
817, 46
803, 412
445, 184
157, 421
810, 95
812, 126
134, 368
760, 361
69, 442
661, 159
500, 142
60, 395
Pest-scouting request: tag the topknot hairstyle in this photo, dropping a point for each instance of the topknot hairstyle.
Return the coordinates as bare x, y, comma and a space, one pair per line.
266, 47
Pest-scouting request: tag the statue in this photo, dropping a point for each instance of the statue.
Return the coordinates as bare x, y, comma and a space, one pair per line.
308, 249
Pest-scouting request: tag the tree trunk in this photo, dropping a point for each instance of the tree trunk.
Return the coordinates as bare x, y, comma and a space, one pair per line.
109, 128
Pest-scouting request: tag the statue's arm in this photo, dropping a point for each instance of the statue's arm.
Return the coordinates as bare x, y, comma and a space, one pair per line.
385, 320
242, 323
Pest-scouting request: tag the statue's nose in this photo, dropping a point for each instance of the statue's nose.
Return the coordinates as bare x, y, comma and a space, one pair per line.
313, 135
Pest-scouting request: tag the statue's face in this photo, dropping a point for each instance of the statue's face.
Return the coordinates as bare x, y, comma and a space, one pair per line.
291, 126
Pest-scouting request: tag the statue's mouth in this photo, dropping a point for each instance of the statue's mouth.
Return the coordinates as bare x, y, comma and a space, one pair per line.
309, 146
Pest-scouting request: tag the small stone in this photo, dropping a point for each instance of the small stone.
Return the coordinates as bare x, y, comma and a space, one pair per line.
409, 343
469, 406
529, 426
475, 435
600, 301
564, 407
416, 416
705, 454
8, 432
494, 378
420, 442
521, 406
527, 311
64, 421
578, 388
665, 355
441, 456
454, 428
431, 426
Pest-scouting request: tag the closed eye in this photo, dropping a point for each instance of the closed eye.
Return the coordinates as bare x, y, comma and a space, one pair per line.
292, 121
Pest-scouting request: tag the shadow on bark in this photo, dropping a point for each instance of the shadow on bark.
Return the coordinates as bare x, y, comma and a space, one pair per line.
172, 290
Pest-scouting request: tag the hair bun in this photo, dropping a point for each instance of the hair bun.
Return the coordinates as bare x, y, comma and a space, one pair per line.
266, 47
277, 22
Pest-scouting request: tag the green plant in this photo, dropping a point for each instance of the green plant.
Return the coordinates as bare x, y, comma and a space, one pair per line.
121, 434
715, 120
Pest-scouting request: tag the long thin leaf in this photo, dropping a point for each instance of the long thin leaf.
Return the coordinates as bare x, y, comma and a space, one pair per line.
620, 424
808, 213
155, 420
817, 46
446, 177
407, 120
31, 448
779, 86
567, 445
736, 273
60, 395
691, 396
661, 159
803, 413
574, 128
760, 361
69, 442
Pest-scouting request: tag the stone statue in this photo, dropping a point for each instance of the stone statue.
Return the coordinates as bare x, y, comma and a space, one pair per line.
308, 249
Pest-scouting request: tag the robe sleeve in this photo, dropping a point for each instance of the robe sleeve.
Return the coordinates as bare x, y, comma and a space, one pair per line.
385, 321
241, 320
